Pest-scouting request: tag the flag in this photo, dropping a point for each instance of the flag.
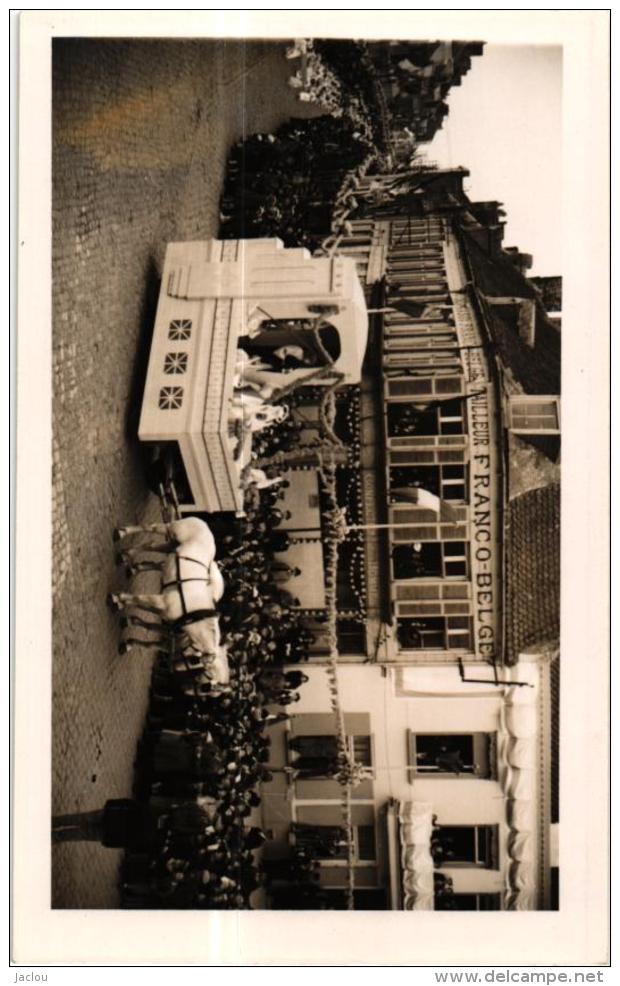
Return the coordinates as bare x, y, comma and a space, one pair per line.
419, 496
419, 309
415, 309
427, 500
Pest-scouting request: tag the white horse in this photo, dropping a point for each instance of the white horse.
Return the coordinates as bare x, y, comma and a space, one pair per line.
192, 584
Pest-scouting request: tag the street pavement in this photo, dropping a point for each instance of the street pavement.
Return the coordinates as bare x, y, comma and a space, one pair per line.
141, 131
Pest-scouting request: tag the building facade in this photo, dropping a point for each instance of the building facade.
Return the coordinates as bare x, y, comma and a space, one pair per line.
448, 591
416, 78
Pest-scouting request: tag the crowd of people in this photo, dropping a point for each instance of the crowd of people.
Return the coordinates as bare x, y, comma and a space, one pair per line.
218, 747
287, 184
189, 832
340, 77
300, 183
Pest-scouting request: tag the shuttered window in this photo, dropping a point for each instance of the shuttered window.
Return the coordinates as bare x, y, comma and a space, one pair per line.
418, 363
417, 631
409, 327
404, 387
424, 599
430, 558
440, 591
353, 242
361, 747
428, 457
409, 387
424, 278
425, 441
415, 341
440, 608
405, 250
423, 265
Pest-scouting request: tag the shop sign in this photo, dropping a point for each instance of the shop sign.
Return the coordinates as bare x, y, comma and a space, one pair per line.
483, 523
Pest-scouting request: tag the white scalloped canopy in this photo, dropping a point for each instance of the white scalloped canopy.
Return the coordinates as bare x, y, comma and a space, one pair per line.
416, 826
517, 752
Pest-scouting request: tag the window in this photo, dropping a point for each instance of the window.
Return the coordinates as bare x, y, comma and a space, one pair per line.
180, 329
425, 265
314, 755
432, 632
535, 415
451, 420
421, 291
364, 845
407, 387
350, 243
175, 363
452, 483
407, 232
467, 902
458, 633
430, 316
430, 559
446, 481
351, 636
366, 899
414, 253
428, 525
421, 279
451, 754
470, 845
437, 591
443, 417
170, 398
407, 326
454, 559
317, 755
421, 363
430, 455
361, 749
416, 341
365, 842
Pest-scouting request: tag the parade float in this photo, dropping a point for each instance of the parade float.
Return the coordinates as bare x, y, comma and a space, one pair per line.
204, 396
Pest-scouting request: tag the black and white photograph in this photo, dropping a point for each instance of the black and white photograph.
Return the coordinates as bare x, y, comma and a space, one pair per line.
306, 476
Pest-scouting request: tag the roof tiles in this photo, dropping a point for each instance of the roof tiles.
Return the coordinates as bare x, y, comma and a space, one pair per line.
532, 571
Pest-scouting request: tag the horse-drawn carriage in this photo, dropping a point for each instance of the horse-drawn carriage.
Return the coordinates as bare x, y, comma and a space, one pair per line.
238, 324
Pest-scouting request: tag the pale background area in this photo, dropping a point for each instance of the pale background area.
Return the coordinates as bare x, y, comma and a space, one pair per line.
578, 933
505, 126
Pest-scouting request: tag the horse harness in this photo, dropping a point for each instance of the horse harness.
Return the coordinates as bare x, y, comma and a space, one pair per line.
195, 615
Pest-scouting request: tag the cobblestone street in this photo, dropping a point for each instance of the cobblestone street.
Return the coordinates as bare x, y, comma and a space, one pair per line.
141, 134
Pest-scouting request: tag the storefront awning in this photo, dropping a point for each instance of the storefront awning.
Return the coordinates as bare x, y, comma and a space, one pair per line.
517, 772
410, 825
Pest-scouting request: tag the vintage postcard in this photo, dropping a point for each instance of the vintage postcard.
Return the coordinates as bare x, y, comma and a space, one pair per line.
312, 407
